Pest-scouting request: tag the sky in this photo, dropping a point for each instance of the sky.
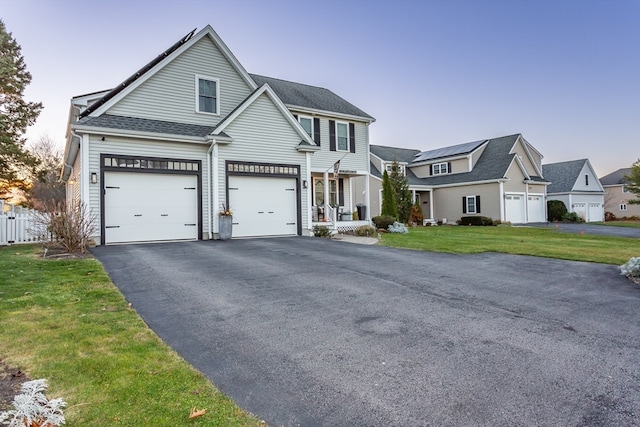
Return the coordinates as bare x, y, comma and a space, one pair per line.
563, 73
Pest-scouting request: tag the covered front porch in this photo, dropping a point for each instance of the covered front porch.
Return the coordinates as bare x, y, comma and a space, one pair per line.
340, 201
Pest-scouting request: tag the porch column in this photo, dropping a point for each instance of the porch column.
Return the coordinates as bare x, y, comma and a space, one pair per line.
309, 191
503, 216
431, 204
326, 195
367, 198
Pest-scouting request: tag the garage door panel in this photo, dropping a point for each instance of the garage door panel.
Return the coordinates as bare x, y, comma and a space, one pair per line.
514, 208
263, 206
149, 207
536, 208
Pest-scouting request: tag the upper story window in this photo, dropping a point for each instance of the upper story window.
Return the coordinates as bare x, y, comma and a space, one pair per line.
625, 189
342, 136
623, 206
586, 180
400, 170
207, 99
307, 124
440, 168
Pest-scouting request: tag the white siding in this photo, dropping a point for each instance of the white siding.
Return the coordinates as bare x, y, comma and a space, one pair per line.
581, 184
262, 134
171, 92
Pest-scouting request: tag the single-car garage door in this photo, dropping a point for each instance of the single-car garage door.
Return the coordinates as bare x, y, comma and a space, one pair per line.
514, 208
263, 206
595, 212
536, 208
142, 207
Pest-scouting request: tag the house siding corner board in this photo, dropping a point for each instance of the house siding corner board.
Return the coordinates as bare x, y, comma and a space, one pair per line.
348, 161
262, 135
143, 148
447, 202
171, 91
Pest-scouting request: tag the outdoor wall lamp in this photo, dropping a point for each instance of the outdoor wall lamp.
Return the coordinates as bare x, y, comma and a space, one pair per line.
94, 178
304, 183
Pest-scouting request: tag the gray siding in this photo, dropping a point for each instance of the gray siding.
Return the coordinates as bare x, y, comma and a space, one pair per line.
358, 161
447, 202
262, 134
171, 92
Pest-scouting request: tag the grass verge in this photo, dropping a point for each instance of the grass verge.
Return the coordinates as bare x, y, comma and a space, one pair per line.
517, 240
629, 224
65, 321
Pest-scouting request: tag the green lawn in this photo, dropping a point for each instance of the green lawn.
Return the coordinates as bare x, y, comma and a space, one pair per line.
517, 240
64, 320
631, 224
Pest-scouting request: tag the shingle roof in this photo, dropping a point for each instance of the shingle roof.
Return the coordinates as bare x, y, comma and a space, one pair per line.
616, 178
313, 97
390, 154
146, 125
562, 175
452, 150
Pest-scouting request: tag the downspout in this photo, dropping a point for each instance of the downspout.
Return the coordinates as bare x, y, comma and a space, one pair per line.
209, 186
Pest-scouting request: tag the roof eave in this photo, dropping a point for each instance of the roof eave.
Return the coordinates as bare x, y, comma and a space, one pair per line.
93, 130
313, 111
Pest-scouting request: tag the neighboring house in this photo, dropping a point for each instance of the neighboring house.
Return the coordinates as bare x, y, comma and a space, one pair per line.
157, 157
616, 195
499, 178
576, 184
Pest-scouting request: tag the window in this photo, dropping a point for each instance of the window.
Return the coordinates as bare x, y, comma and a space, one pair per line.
342, 135
307, 124
207, 95
625, 189
586, 180
623, 206
440, 168
336, 192
389, 168
471, 204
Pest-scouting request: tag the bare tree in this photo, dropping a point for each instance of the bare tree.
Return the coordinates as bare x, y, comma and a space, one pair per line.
47, 188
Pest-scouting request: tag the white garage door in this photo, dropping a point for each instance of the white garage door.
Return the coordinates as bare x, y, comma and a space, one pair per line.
536, 208
514, 208
595, 212
263, 206
142, 207
580, 209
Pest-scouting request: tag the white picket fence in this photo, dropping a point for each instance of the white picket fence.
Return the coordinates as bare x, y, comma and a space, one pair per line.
19, 225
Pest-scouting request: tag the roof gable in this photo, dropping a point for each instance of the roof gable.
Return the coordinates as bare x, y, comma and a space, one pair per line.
158, 63
616, 177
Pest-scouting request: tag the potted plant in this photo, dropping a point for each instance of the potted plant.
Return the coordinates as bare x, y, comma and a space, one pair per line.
345, 216
225, 222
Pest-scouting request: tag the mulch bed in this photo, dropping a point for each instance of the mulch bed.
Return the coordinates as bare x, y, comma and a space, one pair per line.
11, 380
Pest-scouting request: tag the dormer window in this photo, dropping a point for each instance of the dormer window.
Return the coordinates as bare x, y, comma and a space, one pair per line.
400, 169
207, 99
439, 168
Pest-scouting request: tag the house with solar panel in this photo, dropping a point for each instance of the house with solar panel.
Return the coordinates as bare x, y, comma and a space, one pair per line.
192, 133
576, 184
501, 178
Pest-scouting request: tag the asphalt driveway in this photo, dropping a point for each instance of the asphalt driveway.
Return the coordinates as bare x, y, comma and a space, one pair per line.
603, 230
312, 332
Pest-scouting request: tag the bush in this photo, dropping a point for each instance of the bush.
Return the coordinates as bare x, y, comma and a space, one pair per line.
416, 217
475, 220
572, 217
398, 227
383, 221
366, 230
321, 231
70, 227
609, 216
631, 268
556, 210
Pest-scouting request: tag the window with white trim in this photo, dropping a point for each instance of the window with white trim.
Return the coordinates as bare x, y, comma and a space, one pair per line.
342, 136
440, 168
307, 124
625, 189
623, 206
471, 205
207, 99
401, 170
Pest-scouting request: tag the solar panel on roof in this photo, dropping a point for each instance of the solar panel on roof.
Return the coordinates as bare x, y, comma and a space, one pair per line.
448, 151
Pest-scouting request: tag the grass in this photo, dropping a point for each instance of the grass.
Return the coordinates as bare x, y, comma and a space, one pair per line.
517, 240
630, 224
65, 321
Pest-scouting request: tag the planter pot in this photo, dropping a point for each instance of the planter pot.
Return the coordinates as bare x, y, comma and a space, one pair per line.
345, 217
225, 227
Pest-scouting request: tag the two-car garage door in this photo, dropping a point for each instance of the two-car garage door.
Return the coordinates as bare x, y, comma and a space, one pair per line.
142, 207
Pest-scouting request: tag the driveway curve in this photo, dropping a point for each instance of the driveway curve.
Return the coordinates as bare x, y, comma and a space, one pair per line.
311, 332
602, 230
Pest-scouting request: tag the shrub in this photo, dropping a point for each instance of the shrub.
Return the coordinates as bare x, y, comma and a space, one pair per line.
33, 409
475, 220
70, 227
572, 217
398, 227
631, 267
609, 216
416, 217
321, 231
366, 230
556, 210
383, 221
